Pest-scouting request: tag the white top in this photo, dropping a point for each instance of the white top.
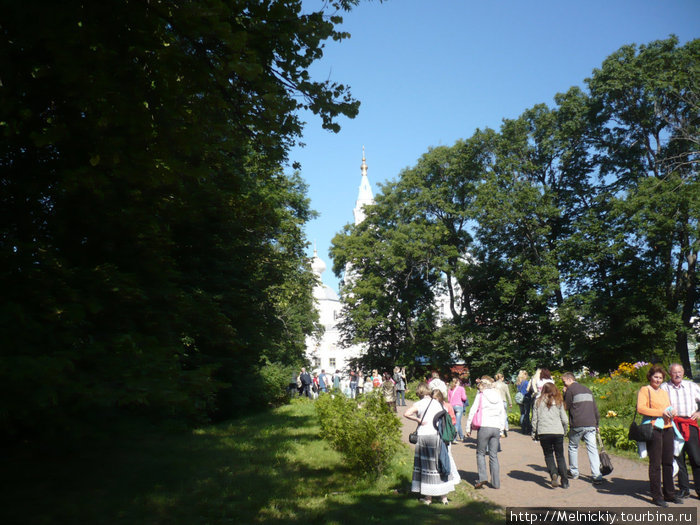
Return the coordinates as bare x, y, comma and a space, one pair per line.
684, 397
493, 412
540, 384
433, 408
438, 384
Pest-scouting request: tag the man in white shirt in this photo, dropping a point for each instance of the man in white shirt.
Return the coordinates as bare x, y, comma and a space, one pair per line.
685, 396
438, 384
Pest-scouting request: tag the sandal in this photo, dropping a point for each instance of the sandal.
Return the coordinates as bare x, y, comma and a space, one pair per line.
426, 501
444, 500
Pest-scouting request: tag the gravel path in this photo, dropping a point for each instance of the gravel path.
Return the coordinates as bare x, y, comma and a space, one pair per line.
525, 481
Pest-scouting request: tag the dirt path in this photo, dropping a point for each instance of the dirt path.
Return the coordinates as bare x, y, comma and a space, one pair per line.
525, 481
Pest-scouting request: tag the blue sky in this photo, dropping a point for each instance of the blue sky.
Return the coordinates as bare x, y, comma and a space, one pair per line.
430, 72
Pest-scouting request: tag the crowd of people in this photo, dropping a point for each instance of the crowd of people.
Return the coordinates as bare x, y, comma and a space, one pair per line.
313, 384
547, 414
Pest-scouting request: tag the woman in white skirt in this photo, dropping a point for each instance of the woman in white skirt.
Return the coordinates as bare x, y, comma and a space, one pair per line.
426, 478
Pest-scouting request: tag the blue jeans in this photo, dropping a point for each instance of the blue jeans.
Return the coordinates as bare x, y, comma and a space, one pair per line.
589, 437
459, 410
525, 425
400, 398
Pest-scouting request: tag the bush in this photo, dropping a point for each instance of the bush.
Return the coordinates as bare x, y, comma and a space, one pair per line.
363, 430
616, 436
275, 379
616, 398
411, 389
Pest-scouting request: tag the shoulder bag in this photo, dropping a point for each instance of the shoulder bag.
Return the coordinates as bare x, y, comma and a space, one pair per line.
413, 436
642, 431
476, 419
606, 466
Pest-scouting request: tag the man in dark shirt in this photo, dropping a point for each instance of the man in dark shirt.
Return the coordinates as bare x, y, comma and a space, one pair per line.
583, 419
305, 383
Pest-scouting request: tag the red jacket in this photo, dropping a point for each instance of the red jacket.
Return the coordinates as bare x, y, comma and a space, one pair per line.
684, 424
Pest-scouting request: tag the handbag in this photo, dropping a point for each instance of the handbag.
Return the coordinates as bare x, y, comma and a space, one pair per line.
641, 431
519, 398
413, 436
606, 466
476, 419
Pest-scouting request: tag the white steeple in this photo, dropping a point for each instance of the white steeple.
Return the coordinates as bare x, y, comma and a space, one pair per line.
364, 196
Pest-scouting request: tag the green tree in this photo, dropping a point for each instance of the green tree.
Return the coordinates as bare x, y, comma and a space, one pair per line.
527, 208
150, 244
647, 137
569, 236
387, 294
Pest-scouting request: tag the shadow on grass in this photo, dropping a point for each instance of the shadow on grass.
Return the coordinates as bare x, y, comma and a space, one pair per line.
397, 510
268, 468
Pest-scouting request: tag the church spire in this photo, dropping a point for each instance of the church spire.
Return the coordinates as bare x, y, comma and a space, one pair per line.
363, 168
364, 196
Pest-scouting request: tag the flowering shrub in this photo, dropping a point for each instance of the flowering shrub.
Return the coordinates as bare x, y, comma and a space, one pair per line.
641, 371
632, 371
624, 370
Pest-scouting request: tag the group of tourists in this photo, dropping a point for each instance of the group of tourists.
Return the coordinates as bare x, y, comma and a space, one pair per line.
391, 385
669, 408
543, 415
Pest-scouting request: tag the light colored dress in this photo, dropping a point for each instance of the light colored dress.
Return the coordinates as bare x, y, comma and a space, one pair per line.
426, 477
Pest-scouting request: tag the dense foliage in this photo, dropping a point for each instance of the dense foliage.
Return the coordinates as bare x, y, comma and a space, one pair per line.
151, 247
568, 237
363, 430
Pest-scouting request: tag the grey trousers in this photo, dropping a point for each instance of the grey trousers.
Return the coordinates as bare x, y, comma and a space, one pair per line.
488, 437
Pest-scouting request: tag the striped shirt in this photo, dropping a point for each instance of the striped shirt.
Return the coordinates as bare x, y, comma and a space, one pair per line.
684, 397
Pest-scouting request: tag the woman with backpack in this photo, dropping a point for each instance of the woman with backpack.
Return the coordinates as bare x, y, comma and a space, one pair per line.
449, 439
427, 480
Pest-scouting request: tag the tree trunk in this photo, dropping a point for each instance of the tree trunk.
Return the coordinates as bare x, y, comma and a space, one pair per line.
682, 350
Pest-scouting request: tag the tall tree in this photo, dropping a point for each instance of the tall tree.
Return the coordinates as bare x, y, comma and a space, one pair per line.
570, 236
147, 233
647, 138
387, 302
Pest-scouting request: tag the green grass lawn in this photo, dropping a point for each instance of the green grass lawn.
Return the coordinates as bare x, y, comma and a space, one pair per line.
268, 468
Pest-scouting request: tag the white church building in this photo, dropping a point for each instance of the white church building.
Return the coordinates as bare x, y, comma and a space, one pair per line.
326, 351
